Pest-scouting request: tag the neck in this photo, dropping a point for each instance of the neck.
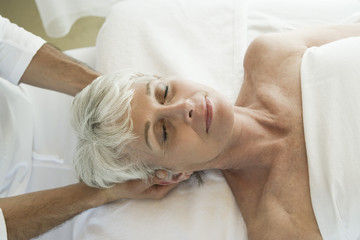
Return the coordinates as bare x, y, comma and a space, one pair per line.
253, 143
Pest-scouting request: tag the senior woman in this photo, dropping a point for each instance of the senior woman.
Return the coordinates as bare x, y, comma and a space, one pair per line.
132, 125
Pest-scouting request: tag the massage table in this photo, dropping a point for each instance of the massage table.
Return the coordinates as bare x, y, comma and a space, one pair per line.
203, 41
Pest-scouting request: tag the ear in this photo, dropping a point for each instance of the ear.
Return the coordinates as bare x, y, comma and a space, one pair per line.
177, 178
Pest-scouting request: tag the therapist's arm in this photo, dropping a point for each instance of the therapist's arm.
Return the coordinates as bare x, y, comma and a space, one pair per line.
51, 69
32, 214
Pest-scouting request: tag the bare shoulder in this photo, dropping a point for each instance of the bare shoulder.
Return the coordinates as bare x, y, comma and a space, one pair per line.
273, 57
272, 71
273, 54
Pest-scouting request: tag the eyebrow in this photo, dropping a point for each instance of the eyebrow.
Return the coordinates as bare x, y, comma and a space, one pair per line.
148, 90
147, 126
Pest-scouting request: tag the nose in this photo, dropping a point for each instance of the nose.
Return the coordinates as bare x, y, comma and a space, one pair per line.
182, 109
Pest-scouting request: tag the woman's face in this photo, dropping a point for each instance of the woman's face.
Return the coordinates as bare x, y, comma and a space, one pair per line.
180, 125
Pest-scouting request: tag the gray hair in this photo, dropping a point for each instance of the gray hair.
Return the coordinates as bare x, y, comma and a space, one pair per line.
102, 121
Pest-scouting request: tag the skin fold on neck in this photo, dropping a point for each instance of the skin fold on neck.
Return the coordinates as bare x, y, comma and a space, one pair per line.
253, 143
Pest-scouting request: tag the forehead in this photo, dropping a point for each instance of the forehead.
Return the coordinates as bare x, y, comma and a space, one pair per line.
139, 106
140, 116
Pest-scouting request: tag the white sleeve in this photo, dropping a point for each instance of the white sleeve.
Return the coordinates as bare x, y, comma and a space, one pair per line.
17, 48
3, 234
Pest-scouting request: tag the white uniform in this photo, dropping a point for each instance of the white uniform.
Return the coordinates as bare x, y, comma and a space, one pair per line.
17, 48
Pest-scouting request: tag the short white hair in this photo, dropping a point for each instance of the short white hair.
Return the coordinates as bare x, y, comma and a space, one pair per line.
102, 121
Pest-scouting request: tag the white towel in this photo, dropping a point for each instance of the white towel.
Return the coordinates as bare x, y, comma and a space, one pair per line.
199, 40
330, 78
189, 212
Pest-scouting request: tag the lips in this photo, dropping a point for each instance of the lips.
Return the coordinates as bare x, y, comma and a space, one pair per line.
208, 114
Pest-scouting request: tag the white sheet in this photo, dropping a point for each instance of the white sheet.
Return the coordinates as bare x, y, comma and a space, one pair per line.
330, 78
280, 15
58, 16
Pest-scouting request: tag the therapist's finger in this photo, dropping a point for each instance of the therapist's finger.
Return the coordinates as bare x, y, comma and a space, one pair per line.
159, 191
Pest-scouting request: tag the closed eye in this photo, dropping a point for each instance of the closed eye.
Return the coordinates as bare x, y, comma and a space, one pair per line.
165, 134
166, 92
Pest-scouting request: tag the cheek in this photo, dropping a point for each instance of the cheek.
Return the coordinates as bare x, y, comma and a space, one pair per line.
186, 142
191, 149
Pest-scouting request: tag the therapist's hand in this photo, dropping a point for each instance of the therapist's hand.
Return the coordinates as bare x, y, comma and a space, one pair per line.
32, 214
139, 189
